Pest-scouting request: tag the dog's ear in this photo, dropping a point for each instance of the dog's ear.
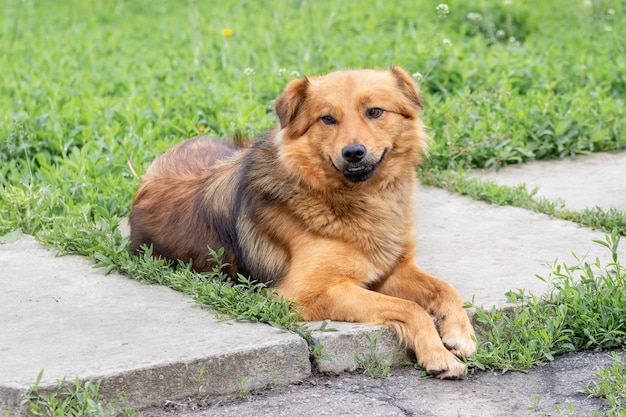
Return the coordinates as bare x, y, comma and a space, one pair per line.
289, 105
408, 87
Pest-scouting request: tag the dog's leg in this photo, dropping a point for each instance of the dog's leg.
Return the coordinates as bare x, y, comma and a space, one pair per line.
350, 302
331, 290
439, 299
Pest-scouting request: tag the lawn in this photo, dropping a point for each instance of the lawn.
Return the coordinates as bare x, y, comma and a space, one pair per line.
92, 91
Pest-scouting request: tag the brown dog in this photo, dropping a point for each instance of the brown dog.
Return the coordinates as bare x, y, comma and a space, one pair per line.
321, 208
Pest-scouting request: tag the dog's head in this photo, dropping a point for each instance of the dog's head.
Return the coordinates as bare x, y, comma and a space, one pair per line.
347, 127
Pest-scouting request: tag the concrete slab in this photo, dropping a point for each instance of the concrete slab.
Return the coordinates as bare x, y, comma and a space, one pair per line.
61, 315
486, 250
581, 182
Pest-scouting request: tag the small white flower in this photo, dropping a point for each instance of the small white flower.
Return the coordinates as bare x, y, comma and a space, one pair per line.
282, 71
446, 43
512, 39
474, 16
587, 3
500, 33
294, 73
507, 2
248, 71
418, 76
608, 28
442, 10
610, 11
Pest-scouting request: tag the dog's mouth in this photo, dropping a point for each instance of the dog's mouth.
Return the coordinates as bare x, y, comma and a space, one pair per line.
358, 171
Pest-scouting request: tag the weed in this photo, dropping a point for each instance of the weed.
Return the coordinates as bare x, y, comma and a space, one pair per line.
316, 349
198, 379
535, 409
73, 400
610, 384
242, 389
586, 309
249, 72
371, 361
598, 218
324, 327
241, 299
246, 299
317, 352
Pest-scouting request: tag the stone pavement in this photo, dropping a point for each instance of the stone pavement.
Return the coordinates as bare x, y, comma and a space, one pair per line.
62, 316
584, 182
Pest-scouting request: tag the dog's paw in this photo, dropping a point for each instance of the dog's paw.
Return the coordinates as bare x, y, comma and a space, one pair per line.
442, 364
460, 343
457, 336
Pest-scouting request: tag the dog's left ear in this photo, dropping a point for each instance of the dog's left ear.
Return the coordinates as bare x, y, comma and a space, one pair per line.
290, 104
408, 87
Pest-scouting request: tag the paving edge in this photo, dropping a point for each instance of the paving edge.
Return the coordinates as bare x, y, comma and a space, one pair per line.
345, 341
283, 363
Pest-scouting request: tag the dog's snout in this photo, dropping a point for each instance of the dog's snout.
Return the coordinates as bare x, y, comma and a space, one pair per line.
354, 153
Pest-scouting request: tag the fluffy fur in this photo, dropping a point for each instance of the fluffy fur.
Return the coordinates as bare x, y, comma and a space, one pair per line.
321, 208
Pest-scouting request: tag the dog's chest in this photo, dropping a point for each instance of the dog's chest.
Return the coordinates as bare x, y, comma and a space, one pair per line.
382, 246
374, 228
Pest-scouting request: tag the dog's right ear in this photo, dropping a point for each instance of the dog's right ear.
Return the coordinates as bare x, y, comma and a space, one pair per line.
408, 87
289, 105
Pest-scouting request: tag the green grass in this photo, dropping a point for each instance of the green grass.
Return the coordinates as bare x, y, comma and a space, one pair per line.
77, 399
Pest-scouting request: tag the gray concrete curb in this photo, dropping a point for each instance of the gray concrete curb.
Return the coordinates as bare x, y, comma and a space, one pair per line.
350, 340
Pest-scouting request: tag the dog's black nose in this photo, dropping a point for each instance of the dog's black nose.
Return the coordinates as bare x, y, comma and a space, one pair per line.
354, 153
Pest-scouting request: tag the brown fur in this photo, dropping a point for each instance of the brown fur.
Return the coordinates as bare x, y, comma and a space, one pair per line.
332, 233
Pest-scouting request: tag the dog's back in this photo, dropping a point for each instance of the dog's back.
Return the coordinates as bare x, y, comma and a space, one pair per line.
192, 156
207, 193
168, 212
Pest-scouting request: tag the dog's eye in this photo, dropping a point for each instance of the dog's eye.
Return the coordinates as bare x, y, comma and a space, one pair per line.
374, 113
328, 120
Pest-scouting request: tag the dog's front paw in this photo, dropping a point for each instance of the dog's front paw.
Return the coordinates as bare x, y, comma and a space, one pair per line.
442, 364
457, 334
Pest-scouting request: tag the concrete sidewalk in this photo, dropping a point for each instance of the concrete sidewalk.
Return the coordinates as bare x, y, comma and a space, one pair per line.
61, 315
582, 182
